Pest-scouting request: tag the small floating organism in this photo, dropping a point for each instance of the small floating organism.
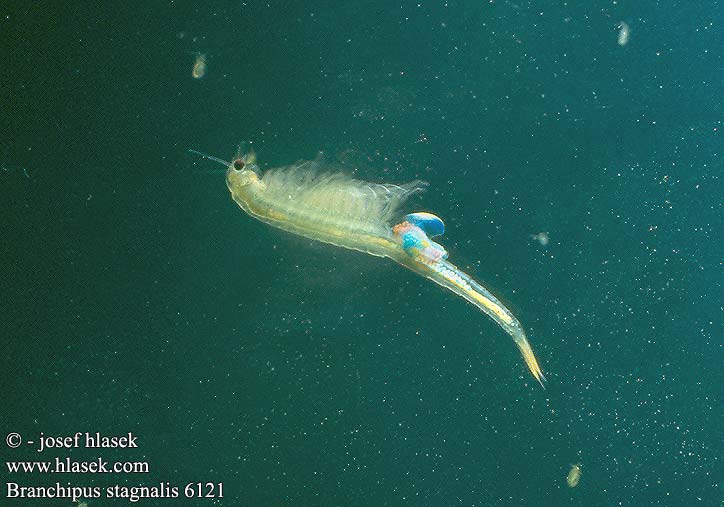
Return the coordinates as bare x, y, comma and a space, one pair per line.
541, 237
624, 31
574, 475
199, 69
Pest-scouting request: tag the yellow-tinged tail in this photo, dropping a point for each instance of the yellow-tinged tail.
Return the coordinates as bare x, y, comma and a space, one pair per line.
449, 276
530, 360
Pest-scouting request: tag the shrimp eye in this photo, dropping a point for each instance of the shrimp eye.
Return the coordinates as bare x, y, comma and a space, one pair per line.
238, 164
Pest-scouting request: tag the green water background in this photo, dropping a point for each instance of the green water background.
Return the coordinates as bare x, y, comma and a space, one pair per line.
137, 297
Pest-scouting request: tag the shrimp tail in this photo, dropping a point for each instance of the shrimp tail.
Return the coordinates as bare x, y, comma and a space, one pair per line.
429, 259
530, 360
449, 276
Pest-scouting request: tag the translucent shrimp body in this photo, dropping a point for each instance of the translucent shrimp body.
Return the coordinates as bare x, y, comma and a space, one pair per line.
328, 207
336, 209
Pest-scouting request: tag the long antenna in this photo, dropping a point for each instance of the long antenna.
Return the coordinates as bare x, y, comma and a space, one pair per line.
210, 157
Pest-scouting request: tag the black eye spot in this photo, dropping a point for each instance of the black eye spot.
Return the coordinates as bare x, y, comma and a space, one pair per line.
238, 164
